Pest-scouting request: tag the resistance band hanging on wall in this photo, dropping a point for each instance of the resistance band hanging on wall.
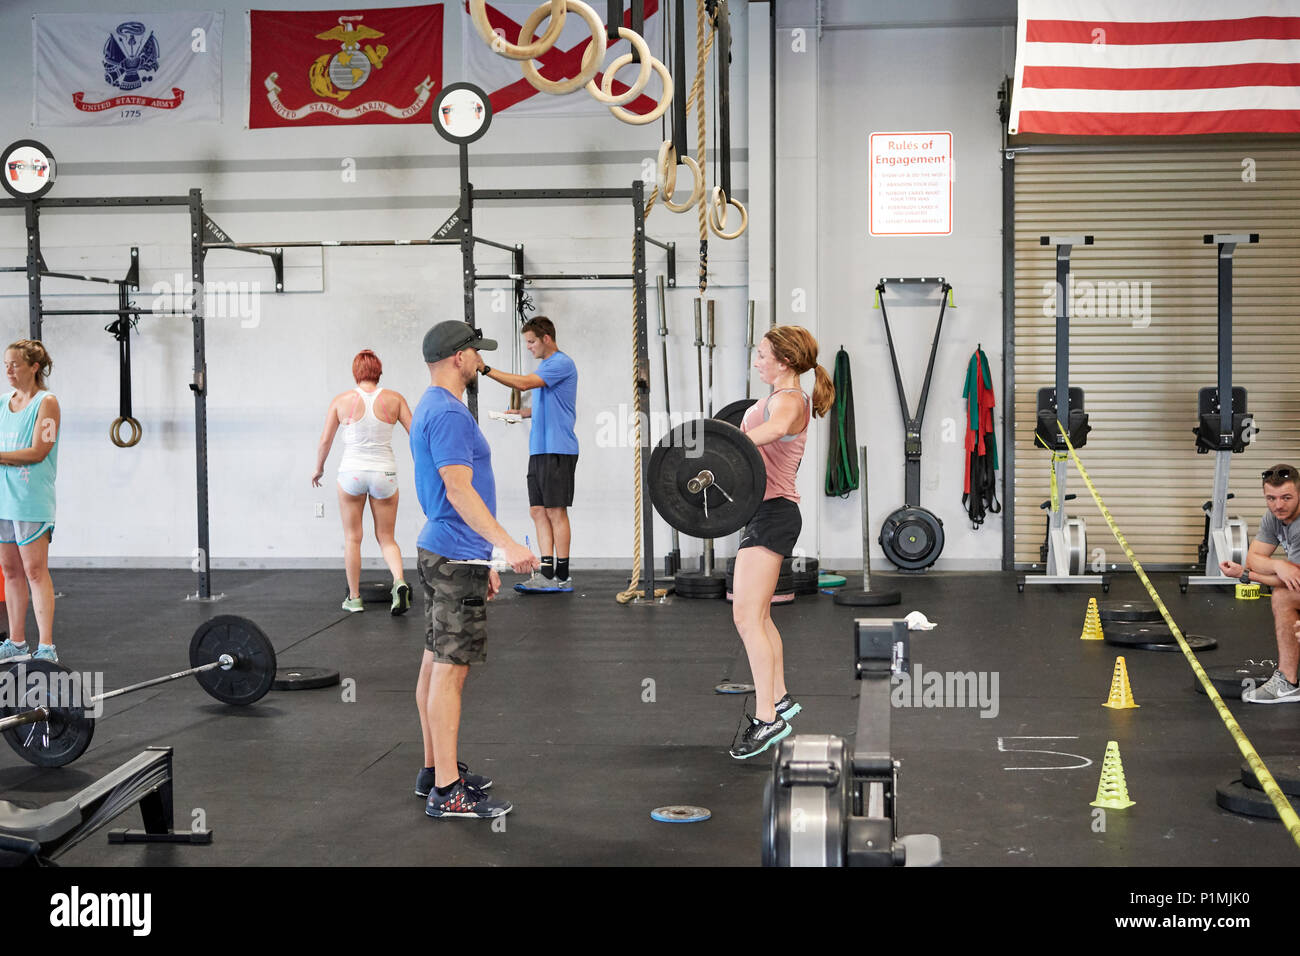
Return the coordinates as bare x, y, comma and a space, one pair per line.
980, 493
841, 461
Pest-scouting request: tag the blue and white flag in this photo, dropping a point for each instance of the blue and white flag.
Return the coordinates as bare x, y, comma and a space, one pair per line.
124, 69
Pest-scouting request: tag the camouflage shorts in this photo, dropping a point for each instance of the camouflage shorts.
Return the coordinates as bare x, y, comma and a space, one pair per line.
455, 612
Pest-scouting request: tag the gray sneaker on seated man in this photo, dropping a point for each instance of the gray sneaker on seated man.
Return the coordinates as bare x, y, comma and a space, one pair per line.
1277, 527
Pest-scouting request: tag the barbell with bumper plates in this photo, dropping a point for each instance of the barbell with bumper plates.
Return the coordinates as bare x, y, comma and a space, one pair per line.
47, 725
706, 478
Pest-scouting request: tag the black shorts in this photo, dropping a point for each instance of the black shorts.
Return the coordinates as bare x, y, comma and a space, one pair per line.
775, 526
550, 480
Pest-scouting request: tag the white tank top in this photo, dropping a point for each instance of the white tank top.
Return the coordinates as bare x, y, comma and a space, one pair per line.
368, 441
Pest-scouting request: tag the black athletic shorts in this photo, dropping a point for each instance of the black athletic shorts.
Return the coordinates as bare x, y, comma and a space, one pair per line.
775, 526
550, 480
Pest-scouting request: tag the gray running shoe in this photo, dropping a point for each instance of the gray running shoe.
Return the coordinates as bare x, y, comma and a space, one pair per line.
1276, 690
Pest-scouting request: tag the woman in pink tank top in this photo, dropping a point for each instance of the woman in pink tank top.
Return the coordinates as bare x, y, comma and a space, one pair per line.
778, 425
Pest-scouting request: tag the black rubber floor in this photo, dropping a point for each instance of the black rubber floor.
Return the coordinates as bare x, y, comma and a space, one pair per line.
590, 714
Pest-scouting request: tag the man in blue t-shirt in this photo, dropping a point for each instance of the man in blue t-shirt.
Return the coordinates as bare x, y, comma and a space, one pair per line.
454, 482
552, 449
1278, 527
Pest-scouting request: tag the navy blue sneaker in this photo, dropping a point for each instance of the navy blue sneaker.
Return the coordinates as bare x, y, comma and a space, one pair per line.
465, 801
424, 782
787, 707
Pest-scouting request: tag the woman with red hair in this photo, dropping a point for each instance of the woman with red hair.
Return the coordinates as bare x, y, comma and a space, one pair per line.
778, 425
368, 469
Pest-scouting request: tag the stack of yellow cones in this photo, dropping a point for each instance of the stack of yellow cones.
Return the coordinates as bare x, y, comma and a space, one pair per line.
1112, 791
1091, 623
1121, 695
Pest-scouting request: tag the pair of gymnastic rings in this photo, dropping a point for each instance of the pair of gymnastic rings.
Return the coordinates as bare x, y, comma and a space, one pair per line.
592, 60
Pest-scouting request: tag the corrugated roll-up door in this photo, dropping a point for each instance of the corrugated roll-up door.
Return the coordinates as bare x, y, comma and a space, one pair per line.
1143, 332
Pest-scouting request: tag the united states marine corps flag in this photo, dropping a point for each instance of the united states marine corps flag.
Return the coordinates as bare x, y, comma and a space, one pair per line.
343, 67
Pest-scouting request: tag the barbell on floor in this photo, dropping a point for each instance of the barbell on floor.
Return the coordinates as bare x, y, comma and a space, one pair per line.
230, 656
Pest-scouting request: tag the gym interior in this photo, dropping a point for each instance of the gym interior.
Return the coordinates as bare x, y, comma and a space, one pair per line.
1006, 620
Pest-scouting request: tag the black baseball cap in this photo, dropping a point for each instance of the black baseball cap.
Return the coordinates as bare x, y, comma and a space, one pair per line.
447, 338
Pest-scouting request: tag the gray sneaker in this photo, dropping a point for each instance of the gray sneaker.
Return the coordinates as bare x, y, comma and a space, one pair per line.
1276, 690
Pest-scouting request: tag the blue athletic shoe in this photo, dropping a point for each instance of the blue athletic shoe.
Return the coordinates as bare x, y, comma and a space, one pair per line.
46, 652
787, 707
424, 782
465, 801
540, 584
9, 650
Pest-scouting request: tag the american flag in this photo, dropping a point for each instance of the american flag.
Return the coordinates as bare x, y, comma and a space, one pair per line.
1156, 68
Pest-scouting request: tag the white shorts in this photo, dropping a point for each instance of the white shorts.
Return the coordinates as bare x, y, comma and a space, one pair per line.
24, 532
376, 484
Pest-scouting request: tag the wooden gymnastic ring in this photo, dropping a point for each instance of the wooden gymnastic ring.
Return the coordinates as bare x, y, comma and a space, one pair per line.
632, 118
503, 47
591, 59
718, 215
643, 51
115, 432
668, 178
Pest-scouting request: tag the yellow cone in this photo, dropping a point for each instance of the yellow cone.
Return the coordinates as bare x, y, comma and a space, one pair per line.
1121, 695
1091, 623
1112, 791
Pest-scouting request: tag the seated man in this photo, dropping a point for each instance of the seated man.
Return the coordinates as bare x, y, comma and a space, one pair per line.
1278, 526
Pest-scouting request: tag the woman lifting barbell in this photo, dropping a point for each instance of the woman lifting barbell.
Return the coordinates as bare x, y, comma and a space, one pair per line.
778, 425
368, 470
29, 459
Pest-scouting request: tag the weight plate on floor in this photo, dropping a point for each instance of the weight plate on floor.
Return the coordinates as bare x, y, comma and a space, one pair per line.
253, 672
1197, 642
67, 733
1128, 612
1285, 769
1239, 798
679, 814
375, 592
779, 597
1230, 679
805, 582
731, 687
827, 580
873, 598
1131, 635
737, 479
304, 678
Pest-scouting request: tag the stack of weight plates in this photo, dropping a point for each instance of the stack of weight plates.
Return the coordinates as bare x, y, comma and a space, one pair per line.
1244, 795
785, 582
1230, 680
697, 584
1139, 626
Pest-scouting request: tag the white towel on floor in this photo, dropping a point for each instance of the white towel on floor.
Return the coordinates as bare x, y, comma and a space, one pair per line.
916, 621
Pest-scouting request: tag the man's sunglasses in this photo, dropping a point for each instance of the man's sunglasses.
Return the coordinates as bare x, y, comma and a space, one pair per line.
1282, 474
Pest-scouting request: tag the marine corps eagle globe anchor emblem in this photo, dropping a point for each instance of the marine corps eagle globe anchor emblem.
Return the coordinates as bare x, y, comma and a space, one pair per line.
336, 76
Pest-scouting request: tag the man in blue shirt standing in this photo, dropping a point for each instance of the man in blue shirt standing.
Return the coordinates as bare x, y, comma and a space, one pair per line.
454, 482
552, 449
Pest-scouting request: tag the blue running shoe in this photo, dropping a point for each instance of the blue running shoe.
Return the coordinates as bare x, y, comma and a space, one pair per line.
465, 801
424, 782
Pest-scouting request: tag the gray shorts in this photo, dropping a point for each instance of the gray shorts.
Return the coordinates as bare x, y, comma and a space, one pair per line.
455, 609
23, 532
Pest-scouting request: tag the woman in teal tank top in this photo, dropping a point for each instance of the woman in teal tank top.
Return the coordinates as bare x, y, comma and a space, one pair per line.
29, 455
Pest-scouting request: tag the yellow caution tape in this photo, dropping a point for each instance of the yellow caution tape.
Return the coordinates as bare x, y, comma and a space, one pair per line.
1266, 781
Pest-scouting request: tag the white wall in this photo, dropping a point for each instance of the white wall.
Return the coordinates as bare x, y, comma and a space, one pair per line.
269, 382
914, 67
